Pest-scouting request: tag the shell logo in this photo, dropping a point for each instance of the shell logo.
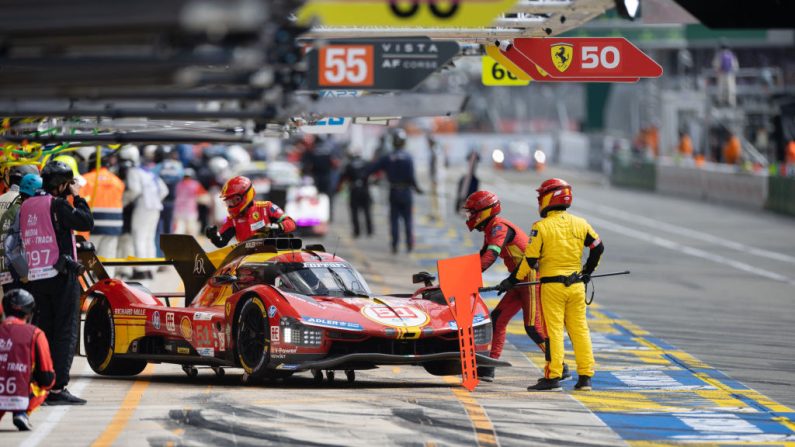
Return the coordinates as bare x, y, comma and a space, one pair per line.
186, 328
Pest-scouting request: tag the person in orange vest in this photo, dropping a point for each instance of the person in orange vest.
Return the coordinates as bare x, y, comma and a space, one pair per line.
26, 369
685, 148
732, 150
790, 158
106, 206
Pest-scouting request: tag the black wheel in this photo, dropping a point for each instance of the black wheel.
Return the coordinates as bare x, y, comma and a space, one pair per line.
99, 338
443, 367
252, 342
330, 376
191, 371
219, 372
350, 375
317, 375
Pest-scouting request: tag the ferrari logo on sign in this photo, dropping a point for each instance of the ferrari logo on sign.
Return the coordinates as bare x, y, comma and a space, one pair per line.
562, 55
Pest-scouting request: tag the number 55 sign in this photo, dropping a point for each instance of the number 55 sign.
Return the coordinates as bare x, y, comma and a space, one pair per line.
588, 57
346, 66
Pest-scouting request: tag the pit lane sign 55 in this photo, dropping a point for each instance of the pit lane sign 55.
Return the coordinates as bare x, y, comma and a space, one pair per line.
404, 13
377, 64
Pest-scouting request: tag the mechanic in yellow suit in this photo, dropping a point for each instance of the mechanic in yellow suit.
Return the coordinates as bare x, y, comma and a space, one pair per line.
556, 244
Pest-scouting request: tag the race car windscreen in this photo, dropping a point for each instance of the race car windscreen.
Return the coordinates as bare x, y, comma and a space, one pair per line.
322, 278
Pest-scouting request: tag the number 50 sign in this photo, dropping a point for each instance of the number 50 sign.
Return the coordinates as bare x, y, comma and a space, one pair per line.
346, 66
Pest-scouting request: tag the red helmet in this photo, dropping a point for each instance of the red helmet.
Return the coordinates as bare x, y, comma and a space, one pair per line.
481, 206
237, 193
553, 194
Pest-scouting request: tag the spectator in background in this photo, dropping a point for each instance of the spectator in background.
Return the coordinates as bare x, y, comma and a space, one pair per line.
685, 146
790, 158
399, 168
732, 150
104, 191
468, 183
726, 66
355, 175
170, 170
319, 162
188, 194
145, 193
436, 170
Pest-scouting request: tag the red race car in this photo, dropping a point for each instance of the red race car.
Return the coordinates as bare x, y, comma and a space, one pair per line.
270, 307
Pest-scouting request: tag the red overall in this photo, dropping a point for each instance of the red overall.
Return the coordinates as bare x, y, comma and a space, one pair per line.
495, 244
254, 219
23, 350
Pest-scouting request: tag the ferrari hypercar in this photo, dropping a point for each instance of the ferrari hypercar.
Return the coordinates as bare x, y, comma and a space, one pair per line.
273, 308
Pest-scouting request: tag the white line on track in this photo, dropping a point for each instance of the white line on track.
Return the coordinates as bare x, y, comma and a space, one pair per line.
43, 430
667, 243
682, 231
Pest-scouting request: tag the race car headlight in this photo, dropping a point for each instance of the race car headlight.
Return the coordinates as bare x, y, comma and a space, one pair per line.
483, 334
296, 333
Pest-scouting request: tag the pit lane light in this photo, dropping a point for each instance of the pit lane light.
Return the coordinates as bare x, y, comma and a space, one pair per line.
628, 9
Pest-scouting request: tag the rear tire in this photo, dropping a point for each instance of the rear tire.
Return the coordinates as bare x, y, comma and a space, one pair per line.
252, 338
99, 338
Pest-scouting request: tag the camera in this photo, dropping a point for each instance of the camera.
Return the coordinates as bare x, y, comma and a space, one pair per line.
66, 264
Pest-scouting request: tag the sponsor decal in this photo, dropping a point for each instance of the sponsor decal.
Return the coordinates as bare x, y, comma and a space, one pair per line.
533, 233
156, 320
186, 328
198, 265
170, 326
286, 366
228, 308
206, 352
279, 350
275, 333
221, 341
129, 311
311, 265
257, 225
334, 324
396, 316
272, 311
134, 346
561, 55
476, 320
202, 316
183, 350
255, 215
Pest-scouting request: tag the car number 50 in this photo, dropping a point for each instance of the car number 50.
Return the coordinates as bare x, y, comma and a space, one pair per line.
346, 65
608, 58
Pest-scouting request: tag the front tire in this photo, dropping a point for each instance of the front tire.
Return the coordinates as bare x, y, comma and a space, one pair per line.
252, 338
99, 338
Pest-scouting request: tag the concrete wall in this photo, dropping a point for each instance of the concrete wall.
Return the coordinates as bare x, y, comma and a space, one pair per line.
732, 188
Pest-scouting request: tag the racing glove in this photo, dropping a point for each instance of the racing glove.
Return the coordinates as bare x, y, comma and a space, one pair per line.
506, 284
585, 278
212, 234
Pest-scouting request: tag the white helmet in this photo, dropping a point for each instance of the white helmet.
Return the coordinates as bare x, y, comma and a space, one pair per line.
237, 155
130, 153
218, 166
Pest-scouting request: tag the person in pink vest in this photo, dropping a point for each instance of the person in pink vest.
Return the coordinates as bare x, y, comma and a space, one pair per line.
26, 369
186, 204
47, 223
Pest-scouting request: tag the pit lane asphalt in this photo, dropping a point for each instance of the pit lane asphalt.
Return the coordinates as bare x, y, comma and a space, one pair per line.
732, 318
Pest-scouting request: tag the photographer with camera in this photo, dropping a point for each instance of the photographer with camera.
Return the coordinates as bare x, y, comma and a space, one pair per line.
47, 223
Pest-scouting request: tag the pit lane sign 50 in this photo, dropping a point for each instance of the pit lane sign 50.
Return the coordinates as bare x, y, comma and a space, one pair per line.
377, 64
588, 57
404, 13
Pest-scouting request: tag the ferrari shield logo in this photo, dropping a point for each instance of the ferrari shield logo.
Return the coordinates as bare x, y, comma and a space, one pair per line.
562, 55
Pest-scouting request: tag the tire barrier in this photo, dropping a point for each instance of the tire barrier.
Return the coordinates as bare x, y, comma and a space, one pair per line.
781, 195
638, 174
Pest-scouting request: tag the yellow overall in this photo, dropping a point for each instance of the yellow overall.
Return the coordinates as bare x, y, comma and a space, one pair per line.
557, 241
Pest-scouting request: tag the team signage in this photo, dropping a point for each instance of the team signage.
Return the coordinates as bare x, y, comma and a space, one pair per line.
404, 13
588, 57
377, 64
495, 74
540, 75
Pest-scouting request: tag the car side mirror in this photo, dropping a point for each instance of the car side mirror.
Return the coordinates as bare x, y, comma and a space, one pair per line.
223, 279
423, 277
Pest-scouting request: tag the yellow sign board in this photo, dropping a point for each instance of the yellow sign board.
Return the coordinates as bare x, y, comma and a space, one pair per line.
404, 13
495, 54
495, 74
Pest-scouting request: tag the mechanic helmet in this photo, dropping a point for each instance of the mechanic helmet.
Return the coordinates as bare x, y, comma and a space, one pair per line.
72, 163
237, 193
553, 194
29, 184
189, 172
104, 161
18, 303
480, 207
218, 166
15, 173
55, 174
398, 138
130, 153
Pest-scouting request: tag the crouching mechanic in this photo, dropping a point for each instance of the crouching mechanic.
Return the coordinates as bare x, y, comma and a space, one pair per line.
503, 239
556, 243
25, 365
247, 217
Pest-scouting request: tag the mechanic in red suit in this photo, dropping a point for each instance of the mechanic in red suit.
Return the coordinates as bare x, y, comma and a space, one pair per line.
503, 239
247, 217
26, 368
